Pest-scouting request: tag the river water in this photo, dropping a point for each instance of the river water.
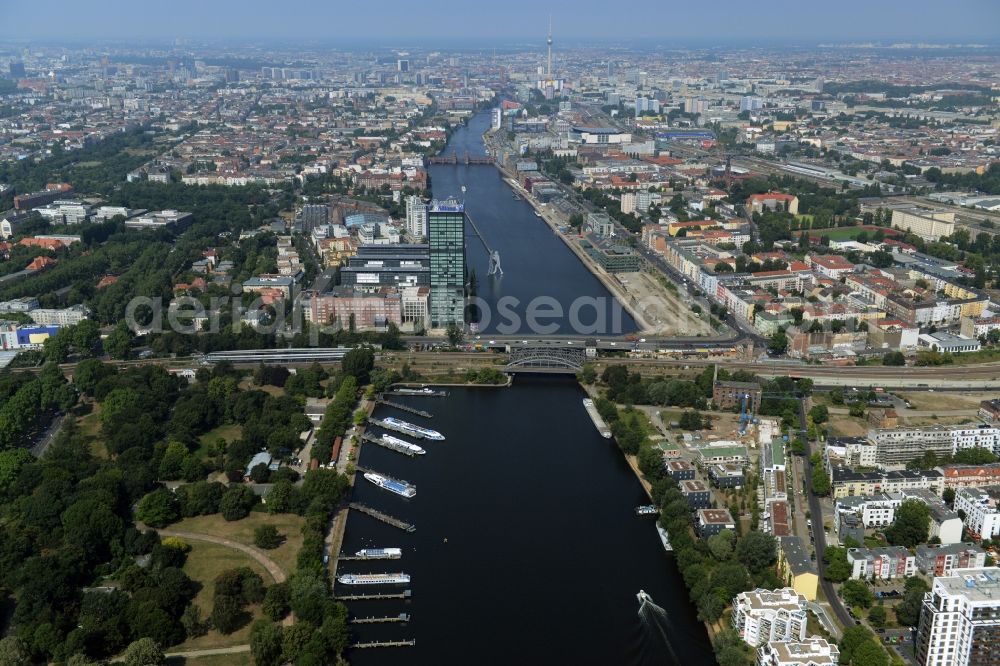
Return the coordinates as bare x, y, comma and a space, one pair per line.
527, 549
535, 261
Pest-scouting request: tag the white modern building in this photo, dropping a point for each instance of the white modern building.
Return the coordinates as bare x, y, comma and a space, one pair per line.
814, 651
416, 217
981, 515
59, 317
960, 619
763, 616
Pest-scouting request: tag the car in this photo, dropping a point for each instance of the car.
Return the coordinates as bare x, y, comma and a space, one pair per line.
493, 342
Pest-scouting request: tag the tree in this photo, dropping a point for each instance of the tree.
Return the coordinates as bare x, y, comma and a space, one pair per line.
455, 334
227, 614
118, 344
359, 363
757, 550
267, 537
869, 653
265, 643
857, 410
877, 616
14, 652
721, 545
778, 343
948, 496
158, 509
894, 358
143, 652
820, 414
856, 593
236, 502
277, 601
820, 481
911, 526
837, 568
908, 610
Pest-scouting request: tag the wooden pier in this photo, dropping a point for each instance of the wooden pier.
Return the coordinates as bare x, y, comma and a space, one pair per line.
380, 644
375, 596
384, 517
378, 441
402, 617
406, 408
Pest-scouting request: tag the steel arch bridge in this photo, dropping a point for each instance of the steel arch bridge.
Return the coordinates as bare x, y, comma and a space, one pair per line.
549, 359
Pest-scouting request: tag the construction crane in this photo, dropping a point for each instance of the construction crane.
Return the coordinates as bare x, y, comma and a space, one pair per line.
745, 416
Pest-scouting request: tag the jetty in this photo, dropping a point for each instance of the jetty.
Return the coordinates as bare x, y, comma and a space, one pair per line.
380, 644
595, 416
406, 408
378, 441
374, 596
402, 617
384, 517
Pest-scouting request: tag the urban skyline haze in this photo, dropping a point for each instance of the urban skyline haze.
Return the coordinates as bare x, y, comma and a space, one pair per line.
520, 21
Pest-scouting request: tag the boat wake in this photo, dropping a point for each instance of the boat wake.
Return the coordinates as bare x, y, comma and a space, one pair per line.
656, 623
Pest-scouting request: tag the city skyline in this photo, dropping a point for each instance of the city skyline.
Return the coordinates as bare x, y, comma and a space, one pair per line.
775, 22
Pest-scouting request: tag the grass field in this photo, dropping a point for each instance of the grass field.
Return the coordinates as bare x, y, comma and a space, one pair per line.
210, 660
847, 426
228, 431
204, 563
90, 427
241, 531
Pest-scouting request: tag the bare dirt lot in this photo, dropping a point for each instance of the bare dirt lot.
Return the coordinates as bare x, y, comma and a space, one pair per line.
663, 309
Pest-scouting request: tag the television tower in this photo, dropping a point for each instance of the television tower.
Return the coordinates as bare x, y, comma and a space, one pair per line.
548, 73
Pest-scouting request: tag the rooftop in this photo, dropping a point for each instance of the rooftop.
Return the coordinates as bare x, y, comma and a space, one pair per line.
982, 584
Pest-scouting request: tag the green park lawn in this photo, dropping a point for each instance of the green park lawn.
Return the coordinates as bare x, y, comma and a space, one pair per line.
241, 531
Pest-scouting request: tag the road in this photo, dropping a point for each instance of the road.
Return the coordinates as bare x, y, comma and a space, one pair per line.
41, 446
194, 654
819, 533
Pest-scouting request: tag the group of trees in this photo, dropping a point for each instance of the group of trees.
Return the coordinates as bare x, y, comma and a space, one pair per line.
28, 400
632, 388
717, 569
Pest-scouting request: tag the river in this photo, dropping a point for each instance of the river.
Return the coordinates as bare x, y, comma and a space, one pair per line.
527, 549
535, 261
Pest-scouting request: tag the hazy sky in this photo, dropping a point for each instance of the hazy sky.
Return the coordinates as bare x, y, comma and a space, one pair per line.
499, 22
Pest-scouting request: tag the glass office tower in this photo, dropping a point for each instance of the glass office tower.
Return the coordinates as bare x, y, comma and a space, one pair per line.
446, 238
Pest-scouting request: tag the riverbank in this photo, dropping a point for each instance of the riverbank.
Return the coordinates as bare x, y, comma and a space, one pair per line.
623, 298
345, 464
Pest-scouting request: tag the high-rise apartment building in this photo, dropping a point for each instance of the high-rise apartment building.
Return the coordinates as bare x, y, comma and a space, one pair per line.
446, 240
416, 218
960, 620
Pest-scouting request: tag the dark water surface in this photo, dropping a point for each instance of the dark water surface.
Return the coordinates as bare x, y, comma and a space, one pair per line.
527, 549
535, 261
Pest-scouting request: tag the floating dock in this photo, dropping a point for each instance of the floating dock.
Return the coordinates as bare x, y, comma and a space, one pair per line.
406, 408
379, 644
375, 596
384, 517
378, 441
602, 427
402, 617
